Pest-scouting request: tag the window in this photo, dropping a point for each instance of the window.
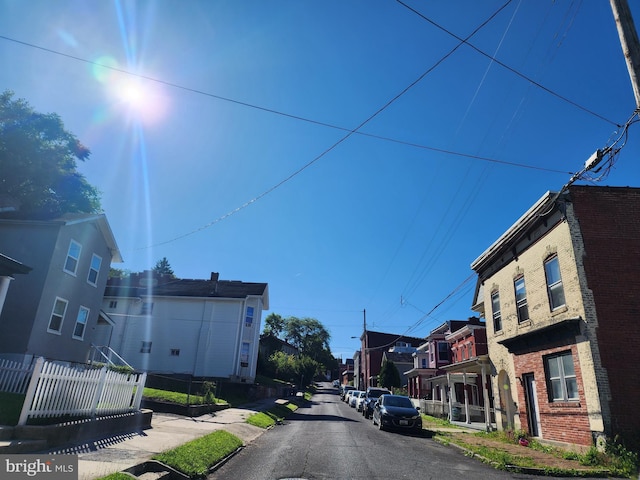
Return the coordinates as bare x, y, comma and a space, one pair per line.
248, 319
81, 323
57, 316
175, 352
554, 283
73, 256
424, 363
244, 355
443, 351
561, 378
521, 299
146, 347
113, 303
94, 270
147, 308
495, 308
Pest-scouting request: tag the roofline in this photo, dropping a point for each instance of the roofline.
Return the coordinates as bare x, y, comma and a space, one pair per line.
515, 230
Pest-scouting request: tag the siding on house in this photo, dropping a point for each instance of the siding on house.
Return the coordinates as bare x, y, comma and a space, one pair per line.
191, 327
29, 305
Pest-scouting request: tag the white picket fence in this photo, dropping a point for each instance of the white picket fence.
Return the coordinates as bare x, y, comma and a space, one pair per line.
14, 376
59, 389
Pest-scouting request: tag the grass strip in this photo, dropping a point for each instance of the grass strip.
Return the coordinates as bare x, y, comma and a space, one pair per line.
270, 417
116, 476
196, 457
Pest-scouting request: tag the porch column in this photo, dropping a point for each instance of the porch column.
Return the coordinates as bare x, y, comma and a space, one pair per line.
485, 396
452, 396
466, 396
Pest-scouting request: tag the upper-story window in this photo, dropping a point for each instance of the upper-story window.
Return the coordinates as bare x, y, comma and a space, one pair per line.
424, 363
81, 323
443, 351
561, 378
73, 257
495, 308
113, 303
94, 270
521, 299
57, 315
145, 347
554, 283
248, 318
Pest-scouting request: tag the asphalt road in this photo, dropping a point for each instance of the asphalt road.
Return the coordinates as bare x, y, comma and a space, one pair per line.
329, 440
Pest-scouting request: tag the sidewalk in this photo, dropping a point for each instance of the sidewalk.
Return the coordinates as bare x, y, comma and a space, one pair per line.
114, 454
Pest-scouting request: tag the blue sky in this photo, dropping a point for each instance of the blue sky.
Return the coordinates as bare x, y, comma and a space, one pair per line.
231, 144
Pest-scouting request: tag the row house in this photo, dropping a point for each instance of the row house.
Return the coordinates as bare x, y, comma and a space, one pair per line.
451, 373
202, 328
560, 291
374, 345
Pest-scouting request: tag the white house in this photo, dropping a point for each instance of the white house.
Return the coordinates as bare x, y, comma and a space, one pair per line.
205, 328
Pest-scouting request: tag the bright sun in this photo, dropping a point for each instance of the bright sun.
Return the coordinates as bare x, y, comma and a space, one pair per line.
142, 100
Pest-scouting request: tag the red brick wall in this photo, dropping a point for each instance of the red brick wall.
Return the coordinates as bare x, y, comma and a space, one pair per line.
609, 220
562, 422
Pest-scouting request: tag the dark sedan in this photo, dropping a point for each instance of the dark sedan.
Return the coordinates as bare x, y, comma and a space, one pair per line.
396, 412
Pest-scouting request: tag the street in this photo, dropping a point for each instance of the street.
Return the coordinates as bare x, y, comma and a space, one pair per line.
328, 440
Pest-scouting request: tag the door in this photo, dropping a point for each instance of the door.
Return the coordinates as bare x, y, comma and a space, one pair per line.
533, 415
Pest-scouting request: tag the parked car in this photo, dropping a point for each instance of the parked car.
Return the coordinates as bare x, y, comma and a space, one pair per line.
396, 412
336, 383
344, 389
360, 397
352, 397
371, 396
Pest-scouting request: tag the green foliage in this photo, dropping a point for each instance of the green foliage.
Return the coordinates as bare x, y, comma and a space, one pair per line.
195, 458
164, 267
293, 368
389, 376
273, 325
118, 273
116, 476
178, 397
38, 163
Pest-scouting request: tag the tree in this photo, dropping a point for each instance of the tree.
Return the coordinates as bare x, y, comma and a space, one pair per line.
389, 376
118, 273
309, 335
273, 325
38, 164
163, 267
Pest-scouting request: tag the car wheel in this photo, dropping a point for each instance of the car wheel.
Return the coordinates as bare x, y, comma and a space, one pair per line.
380, 427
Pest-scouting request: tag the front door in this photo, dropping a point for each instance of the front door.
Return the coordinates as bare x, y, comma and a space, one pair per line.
533, 415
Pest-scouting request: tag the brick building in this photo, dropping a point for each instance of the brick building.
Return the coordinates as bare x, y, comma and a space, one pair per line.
560, 291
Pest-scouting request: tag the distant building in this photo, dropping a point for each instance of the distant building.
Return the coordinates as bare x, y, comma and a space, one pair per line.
374, 345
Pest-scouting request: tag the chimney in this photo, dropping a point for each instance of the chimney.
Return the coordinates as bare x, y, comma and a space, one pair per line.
215, 276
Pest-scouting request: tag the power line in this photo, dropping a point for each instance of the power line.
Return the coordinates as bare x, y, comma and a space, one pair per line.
281, 113
511, 69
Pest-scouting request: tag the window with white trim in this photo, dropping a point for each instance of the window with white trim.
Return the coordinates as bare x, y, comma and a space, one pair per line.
81, 323
554, 283
57, 315
443, 351
248, 318
521, 299
73, 257
94, 270
495, 309
562, 385
244, 354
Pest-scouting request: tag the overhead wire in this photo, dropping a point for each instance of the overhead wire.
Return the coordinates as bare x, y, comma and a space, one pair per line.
279, 112
509, 68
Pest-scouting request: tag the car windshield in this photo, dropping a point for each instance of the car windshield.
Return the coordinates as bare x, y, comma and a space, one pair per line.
397, 402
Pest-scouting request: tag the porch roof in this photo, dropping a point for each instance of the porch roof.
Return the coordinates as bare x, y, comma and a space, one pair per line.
473, 365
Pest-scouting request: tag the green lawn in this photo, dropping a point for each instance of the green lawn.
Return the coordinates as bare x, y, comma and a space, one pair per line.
196, 457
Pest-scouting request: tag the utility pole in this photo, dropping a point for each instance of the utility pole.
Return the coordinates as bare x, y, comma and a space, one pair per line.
629, 42
365, 353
